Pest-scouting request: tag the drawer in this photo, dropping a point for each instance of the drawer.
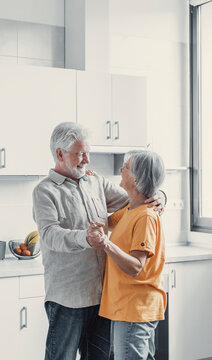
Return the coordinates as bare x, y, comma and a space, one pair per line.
31, 286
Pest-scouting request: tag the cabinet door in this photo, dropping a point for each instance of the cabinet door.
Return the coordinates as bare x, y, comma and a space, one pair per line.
94, 105
33, 328
33, 101
129, 110
9, 344
190, 310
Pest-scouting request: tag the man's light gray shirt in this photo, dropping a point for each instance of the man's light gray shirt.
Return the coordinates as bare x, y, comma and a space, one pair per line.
63, 209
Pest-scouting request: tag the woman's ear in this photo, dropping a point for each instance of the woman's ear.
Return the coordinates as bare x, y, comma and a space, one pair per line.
134, 181
59, 154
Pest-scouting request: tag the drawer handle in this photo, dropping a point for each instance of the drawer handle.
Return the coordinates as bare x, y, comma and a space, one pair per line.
23, 324
2, 163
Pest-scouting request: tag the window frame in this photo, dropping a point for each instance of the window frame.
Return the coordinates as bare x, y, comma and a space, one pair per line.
198, 223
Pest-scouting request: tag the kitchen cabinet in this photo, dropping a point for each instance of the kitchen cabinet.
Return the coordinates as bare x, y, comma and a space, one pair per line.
24, 322
94, 105
190, 310
9, 314
33, 319
33, 101
113, 107
87, 34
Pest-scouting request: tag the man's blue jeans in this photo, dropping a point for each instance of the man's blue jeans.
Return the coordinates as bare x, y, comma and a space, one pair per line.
134, 341
72, 329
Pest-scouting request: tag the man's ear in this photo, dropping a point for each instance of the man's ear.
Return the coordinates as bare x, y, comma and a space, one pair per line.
59, 154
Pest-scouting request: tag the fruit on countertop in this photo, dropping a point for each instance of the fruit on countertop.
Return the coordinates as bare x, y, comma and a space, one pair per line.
22, 250
18, 251
29, 245
23, 247
26, 252
31, 240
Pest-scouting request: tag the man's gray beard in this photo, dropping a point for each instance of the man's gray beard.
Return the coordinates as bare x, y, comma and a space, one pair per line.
77, 173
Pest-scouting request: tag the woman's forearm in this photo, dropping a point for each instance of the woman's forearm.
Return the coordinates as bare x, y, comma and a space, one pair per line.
129, 264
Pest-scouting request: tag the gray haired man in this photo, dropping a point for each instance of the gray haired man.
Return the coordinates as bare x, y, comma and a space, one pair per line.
64, 204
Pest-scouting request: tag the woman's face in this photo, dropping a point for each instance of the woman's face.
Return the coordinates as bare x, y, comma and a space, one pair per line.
128, 180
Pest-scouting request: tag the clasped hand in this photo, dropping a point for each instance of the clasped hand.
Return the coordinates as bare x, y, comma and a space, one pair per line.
96, 236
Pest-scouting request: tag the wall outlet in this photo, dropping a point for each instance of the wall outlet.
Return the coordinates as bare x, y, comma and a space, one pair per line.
175, 204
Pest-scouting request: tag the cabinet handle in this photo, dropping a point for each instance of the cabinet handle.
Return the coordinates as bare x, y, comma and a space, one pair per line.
23, 324
2, 163
117, 130
108, 129
173, 281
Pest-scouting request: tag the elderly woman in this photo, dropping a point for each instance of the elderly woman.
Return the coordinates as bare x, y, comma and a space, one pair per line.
133, 295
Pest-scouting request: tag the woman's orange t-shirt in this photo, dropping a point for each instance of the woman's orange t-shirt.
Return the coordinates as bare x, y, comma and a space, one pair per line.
140, 298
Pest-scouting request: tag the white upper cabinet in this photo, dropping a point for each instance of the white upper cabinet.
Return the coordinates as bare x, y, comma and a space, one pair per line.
94, 105
113, 107
129, 117
33, 101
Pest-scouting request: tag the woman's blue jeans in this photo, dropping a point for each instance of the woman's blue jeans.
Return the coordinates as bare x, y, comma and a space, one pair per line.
134, 341
72, 329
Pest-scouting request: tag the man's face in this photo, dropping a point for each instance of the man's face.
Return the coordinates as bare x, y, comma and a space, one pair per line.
76, 160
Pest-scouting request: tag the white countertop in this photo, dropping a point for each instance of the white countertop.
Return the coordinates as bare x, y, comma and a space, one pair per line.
11, 266
186, 253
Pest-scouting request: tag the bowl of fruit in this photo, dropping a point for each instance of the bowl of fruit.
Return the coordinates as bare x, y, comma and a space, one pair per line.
27, 249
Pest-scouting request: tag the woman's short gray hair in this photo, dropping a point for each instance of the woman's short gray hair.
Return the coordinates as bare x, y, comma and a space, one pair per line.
65, 135
148, 169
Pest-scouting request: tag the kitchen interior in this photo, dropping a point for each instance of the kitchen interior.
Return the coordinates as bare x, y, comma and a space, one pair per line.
121, 68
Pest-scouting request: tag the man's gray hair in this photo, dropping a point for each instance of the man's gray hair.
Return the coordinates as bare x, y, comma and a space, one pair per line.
148, 169
65, 135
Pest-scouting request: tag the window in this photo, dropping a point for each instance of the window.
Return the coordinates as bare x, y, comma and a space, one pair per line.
201, 115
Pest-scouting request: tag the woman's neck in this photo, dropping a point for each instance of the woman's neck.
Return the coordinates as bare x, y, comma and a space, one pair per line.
136, 199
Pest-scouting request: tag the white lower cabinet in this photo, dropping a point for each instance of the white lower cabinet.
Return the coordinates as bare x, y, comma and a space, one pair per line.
33, 319
24, 324
190, 310
9, 318
33, 329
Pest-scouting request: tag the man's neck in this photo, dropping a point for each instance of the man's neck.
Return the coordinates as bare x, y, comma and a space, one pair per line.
58, 170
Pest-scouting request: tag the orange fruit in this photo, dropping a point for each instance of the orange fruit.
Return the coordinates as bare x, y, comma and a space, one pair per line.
26, 252
23, 247
17, 251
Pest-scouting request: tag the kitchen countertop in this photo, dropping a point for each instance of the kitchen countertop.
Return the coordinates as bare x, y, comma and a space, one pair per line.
11, 266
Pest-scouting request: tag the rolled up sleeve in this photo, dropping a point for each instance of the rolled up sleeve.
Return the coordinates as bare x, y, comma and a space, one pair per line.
55, 237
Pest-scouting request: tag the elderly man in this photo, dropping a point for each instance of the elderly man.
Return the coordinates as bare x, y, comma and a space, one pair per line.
64, 204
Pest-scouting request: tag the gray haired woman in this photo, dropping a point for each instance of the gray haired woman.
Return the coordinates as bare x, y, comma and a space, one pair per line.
133, 295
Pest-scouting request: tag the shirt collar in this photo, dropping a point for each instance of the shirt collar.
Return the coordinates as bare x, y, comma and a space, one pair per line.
59, 179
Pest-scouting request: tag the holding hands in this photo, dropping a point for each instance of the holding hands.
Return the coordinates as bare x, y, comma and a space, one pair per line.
96, 236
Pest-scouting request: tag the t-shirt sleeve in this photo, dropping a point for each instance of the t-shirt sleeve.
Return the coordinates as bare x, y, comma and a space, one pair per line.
116, 216
144, 235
